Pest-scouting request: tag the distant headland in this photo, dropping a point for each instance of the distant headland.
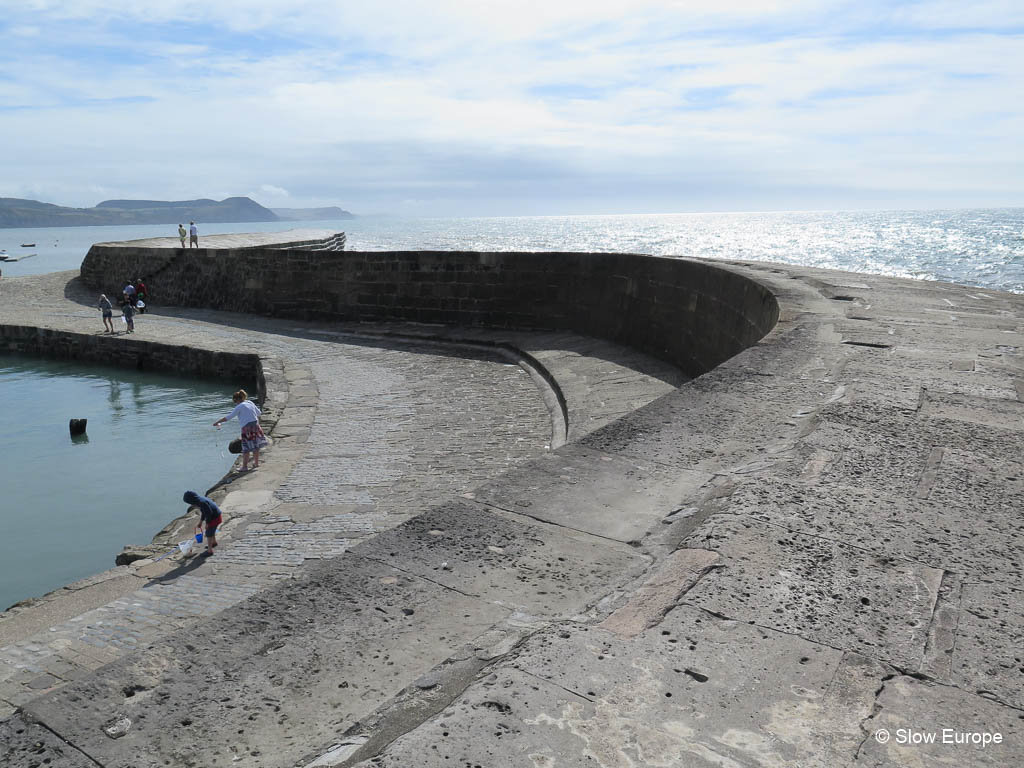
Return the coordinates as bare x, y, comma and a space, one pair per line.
16, 212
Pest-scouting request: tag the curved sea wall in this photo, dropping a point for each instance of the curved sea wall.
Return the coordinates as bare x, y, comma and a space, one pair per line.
783, 561
691, 314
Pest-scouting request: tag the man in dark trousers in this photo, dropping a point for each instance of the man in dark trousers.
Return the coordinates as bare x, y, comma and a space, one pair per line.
209, 516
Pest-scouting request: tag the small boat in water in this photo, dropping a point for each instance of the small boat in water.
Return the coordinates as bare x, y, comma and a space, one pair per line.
28, 245
3, 255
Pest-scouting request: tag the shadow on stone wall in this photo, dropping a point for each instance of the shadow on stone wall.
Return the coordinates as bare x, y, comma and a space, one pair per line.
694, 315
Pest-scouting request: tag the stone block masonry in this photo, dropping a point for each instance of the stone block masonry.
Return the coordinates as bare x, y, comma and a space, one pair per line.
133, 353
690, 314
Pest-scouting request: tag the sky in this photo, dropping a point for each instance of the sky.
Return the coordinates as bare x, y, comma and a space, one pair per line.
515, 108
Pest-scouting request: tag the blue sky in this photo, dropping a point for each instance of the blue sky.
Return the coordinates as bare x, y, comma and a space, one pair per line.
506, 108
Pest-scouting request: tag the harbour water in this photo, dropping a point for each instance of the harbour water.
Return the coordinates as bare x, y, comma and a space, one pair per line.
982, 247
70, 504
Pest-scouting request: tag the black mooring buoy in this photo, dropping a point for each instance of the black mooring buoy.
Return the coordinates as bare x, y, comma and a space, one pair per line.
77, 426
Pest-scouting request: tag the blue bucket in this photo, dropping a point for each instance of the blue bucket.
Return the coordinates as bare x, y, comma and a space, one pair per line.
199, 538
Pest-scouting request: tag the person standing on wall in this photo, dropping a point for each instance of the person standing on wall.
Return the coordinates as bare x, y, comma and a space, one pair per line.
252, 435
108, 313
193, 235
182, 234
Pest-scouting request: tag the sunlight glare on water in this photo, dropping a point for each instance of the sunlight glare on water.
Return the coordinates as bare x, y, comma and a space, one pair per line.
983, 247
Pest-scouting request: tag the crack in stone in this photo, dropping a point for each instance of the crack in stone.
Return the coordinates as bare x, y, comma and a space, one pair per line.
427, 579
75, 747
875, 709
493, 505
556, 685
399, 707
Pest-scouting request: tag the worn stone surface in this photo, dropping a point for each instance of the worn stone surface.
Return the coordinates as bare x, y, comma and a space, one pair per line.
295, 664
921, 724
649, 603
988, 656
536, 568
25, 744
935, 531
695, 690
691, 431
613, 496
821, 589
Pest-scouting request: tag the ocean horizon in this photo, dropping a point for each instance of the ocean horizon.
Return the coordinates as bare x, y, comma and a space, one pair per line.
982, 247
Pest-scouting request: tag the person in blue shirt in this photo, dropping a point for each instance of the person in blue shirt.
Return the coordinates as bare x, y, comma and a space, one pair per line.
210, 516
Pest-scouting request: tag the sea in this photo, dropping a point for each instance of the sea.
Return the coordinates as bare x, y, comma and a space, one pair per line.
69, 506
980, 247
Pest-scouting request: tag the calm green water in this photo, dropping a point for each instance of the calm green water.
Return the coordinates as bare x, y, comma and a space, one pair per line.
69, 506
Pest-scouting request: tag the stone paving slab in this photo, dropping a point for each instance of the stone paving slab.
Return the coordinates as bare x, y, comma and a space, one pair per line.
949, 530
820, 589
934, 725
616, 497
537, 568
25, 744
889, 450
1002, 413
576, 696
988, 653
685, 430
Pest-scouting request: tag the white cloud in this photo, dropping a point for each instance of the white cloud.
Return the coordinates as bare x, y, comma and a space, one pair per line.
269, 190
182, 98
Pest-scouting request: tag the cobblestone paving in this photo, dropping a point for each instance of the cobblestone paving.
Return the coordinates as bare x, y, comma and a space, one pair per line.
279, 541
405, 429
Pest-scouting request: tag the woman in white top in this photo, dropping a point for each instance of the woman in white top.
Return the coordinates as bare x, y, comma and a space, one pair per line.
252, 436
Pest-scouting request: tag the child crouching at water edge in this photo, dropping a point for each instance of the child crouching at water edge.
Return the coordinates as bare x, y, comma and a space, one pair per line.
252, 435
209, 516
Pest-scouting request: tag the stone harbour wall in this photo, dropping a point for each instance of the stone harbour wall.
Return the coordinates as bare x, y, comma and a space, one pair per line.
134, 353
691, 314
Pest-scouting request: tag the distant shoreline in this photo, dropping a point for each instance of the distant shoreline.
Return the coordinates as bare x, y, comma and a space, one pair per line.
17, 213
